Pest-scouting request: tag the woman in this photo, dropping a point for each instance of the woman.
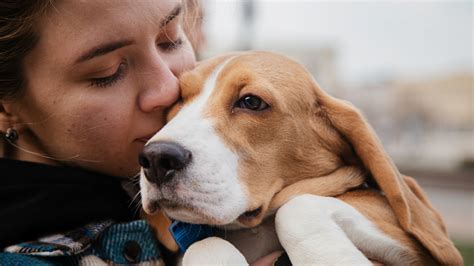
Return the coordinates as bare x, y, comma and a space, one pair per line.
83, 86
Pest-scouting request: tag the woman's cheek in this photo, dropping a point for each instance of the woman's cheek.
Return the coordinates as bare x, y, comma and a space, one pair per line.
99, 129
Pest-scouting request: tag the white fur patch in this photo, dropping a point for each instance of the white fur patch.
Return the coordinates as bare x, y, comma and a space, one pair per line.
327, 231
213, 251
148, 193
209, 185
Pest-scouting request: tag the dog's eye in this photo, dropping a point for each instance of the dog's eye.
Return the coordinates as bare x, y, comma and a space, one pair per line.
252, 102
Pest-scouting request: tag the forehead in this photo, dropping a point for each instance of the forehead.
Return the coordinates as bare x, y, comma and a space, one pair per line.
273, 67
70, 25
192, 82
277, 74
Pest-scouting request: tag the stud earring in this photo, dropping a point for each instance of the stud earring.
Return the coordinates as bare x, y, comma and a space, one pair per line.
11, 135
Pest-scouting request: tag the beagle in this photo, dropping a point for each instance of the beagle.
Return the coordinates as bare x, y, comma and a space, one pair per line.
258, 150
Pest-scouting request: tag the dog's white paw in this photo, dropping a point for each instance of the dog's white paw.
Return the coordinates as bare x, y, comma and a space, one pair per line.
213, 251
308, 233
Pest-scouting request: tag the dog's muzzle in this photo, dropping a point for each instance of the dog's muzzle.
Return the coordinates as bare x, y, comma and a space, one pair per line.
162, 160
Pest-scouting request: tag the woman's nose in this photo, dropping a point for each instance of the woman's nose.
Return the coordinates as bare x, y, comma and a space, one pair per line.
160, 87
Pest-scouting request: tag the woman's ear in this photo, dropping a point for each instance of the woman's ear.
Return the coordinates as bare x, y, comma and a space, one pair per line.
414, 213
9, 117
7, 121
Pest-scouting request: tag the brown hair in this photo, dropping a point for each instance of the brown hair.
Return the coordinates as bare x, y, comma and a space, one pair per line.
192, 23
17, 38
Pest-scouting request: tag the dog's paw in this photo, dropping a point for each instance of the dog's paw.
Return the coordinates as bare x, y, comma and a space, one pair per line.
307, 231
213, 251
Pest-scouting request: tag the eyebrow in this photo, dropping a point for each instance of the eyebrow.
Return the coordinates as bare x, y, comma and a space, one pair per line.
112, 46
103, 49
174, 13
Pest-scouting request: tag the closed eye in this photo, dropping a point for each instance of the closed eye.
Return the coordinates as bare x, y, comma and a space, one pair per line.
103, 82
170, 45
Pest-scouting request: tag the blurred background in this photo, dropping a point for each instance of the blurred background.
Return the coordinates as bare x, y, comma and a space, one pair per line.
408, 65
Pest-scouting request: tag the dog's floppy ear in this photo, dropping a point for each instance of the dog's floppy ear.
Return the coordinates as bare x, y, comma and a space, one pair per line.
410, 205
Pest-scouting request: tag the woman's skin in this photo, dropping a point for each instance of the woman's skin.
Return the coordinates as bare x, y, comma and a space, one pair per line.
98, 82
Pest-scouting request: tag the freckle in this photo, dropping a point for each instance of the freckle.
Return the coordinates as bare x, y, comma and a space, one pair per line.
69, 130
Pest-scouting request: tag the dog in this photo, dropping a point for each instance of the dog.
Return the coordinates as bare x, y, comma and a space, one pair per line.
257, 149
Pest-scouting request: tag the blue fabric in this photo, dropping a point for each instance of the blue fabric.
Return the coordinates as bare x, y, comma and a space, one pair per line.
111, 244
16, 259
186, 234
104, 240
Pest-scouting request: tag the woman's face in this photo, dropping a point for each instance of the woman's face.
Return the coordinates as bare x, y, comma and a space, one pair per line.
100, 78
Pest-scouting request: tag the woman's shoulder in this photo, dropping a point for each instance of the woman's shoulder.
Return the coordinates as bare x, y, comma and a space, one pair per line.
105, 241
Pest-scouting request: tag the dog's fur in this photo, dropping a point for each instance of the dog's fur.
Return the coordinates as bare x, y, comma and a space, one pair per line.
307, 142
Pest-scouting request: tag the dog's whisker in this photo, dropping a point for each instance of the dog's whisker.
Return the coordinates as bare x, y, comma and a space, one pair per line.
136, 199
134, 179
137, 209
137, 205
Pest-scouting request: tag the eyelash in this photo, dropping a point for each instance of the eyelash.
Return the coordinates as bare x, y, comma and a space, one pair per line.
109, 80
171, 45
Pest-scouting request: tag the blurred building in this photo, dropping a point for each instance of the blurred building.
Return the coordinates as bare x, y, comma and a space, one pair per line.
441, 110
424, 124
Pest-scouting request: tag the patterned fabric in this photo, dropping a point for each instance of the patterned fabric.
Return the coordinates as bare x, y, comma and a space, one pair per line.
119, 243
71, 243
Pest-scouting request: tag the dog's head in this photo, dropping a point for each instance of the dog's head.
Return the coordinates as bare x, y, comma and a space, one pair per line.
246, 128
252, 124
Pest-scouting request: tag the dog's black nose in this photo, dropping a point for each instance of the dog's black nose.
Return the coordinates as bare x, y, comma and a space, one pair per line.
161, 160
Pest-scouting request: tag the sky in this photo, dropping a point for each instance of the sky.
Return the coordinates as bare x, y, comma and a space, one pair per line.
398, 38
